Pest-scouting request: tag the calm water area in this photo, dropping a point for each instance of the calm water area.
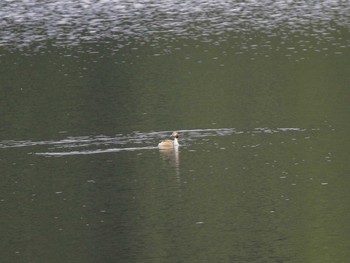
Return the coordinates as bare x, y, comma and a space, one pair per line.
259, 92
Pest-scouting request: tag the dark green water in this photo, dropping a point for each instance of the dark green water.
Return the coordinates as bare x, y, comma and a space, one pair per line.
259, 93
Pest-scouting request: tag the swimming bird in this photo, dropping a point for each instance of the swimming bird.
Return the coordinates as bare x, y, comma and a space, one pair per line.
167, 144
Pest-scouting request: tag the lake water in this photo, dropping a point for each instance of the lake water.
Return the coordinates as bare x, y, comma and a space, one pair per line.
258, 90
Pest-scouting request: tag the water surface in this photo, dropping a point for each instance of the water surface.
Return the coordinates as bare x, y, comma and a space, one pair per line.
258, 91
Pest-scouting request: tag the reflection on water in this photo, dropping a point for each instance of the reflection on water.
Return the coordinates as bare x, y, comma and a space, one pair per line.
171, 157
115, 24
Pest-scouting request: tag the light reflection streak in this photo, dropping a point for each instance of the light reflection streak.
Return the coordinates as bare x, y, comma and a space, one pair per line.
106, 144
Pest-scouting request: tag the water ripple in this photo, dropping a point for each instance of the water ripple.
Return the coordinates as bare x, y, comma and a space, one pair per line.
31, 23
130, 142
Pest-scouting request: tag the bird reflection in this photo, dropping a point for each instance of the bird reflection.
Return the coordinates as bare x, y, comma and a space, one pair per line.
171, 156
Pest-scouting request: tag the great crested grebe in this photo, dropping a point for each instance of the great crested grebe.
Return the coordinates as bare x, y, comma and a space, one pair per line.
166, 144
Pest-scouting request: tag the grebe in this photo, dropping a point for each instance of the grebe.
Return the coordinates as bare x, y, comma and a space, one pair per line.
166, 144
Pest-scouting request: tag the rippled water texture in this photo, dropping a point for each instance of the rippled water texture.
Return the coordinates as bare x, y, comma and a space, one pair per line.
258, 90
131, 142
117, 24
